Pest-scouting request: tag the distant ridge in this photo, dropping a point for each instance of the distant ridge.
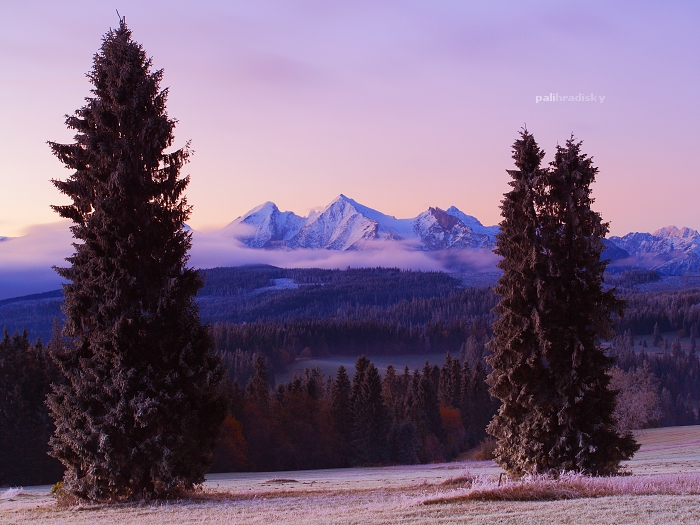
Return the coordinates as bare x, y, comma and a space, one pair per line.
669, 250
33, 297
346, 225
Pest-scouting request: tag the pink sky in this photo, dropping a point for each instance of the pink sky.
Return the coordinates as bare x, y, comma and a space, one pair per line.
399, 105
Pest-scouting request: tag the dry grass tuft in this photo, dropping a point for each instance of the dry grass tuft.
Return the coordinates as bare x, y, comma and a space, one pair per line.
574, 486
485, 450
281, 480
464, 481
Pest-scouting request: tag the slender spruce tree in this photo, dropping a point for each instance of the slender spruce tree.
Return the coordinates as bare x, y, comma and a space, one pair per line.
574, 311
342, 414
370, 417
140, 410
520, 379
429, 402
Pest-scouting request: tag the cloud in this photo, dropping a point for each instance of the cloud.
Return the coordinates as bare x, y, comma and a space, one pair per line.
26, 262
212, 250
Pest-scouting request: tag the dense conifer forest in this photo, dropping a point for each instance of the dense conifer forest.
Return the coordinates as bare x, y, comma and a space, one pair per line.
392, 297
348, 312
313, 421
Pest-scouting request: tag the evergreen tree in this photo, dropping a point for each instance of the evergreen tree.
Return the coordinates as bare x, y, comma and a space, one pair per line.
370, 418
472, 351
693, 343
342, 414
258, 388
676, 348
656, 338
465, 404
404, 442
429, 402
143, 400
25, 425
445, 385
340, 401
573, 312
549, 372
391, 392
520, 380
456, 381
361, 366
483, 406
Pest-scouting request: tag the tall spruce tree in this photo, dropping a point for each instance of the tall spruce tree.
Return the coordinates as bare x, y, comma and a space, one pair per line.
342, 413
520, 380
370, 418
429, 402
574, 311
143, 400
548, 369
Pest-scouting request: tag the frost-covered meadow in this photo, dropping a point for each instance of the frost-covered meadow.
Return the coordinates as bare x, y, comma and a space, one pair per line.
664, 488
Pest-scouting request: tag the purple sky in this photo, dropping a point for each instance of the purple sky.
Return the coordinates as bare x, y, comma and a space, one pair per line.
399, 105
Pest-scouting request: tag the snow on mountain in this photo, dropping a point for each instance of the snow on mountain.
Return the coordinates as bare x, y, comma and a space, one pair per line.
346, 224
265, 226
670, 250
439, 230
474, 223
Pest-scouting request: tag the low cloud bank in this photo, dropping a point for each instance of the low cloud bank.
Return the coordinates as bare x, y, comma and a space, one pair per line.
213, 249
26, 262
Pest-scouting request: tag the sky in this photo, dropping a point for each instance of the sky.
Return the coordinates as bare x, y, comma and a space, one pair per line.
398, 105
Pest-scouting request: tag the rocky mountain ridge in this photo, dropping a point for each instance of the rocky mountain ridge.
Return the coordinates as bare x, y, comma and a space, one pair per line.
348, 225
345, 225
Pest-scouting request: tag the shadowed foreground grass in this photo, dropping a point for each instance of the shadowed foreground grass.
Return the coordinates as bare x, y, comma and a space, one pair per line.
373, 496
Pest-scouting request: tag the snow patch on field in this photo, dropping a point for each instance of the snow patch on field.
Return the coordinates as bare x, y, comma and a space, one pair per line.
12, 492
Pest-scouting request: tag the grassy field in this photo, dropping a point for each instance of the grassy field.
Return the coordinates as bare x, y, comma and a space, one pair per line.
669, 458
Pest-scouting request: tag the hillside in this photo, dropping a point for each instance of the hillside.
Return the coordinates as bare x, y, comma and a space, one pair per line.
267, 294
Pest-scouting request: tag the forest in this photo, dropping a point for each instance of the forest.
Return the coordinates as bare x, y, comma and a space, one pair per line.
313, 421
400, 301
355, 418
260, 325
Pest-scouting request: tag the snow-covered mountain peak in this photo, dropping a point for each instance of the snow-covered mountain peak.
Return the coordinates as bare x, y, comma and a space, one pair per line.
674, 232
260, 214
364, 210
266, 207
443, 219
265, 226
473, 223
438, 229
345, 224
670, 250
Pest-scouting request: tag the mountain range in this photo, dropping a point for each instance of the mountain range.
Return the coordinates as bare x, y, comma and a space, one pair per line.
670, 250
347, 225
